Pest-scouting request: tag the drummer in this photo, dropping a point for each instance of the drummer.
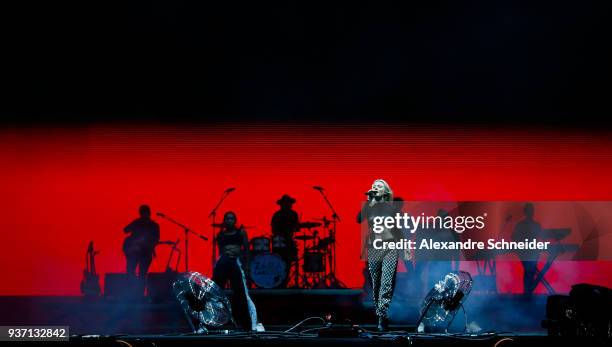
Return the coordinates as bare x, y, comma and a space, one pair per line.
285, 222
233, 246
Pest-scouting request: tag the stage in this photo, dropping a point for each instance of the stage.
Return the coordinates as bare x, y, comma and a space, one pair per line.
278, 309
365, 339
296, 317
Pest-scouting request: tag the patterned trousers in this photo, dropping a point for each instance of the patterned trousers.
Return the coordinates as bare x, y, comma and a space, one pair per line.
382, 264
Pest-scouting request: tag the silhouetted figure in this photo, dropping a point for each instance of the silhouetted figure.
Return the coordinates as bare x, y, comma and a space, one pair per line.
233, 246
285, 222
528, 228
139, 246
382, 263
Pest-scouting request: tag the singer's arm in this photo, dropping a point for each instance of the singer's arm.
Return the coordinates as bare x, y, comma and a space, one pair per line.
363, 213
360, 217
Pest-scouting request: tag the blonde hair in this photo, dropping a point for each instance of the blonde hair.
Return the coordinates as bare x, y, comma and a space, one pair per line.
389, 195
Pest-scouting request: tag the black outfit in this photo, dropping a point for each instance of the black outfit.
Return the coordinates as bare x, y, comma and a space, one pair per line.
382, 263
229, 267
234, 237
285, 222
528, 229
139, 247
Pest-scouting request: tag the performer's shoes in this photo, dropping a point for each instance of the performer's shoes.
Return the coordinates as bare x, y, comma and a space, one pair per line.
383, 324
260, 328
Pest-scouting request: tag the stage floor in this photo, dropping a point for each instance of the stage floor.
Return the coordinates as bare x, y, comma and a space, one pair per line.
276, 309
365, 339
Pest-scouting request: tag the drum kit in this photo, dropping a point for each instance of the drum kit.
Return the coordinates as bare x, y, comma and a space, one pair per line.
276, 261
306, 259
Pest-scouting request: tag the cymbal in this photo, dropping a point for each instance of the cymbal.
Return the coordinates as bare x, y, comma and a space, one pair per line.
325, 221
304, 237
308, 225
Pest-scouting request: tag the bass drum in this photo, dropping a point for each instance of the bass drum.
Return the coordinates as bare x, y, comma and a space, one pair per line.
268, 270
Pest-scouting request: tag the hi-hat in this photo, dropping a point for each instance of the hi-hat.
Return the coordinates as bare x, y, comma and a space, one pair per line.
325, 221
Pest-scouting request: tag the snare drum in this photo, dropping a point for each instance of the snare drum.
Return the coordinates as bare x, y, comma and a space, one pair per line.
260, 245
268, 270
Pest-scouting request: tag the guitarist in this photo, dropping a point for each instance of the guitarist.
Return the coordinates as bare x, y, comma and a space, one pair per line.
139, 246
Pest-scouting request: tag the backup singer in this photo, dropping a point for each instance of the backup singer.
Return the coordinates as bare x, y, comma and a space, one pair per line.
233, 246
382, 263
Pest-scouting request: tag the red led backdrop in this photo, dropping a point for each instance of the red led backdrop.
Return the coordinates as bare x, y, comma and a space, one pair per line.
61, 188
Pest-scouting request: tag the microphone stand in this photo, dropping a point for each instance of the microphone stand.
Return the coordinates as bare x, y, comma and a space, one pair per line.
187, 230
213, 215
335, 219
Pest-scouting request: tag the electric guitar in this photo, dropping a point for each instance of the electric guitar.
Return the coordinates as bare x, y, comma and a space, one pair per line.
90, 284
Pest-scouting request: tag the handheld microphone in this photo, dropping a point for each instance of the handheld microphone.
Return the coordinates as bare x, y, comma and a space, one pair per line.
373, 195
318, 188
229, 190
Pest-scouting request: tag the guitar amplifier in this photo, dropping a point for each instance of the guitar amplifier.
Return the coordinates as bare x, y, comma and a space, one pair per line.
159, 285
120, 285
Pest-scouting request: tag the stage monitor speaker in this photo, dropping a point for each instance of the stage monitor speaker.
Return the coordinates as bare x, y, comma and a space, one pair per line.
586, 312
120, 285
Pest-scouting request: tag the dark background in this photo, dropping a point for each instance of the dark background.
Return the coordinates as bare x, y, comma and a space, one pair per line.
536, 62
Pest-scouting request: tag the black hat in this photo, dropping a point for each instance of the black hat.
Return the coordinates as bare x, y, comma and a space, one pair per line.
285, 199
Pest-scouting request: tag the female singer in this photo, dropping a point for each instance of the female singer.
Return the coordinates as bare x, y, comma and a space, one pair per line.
233, 246
382, 263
